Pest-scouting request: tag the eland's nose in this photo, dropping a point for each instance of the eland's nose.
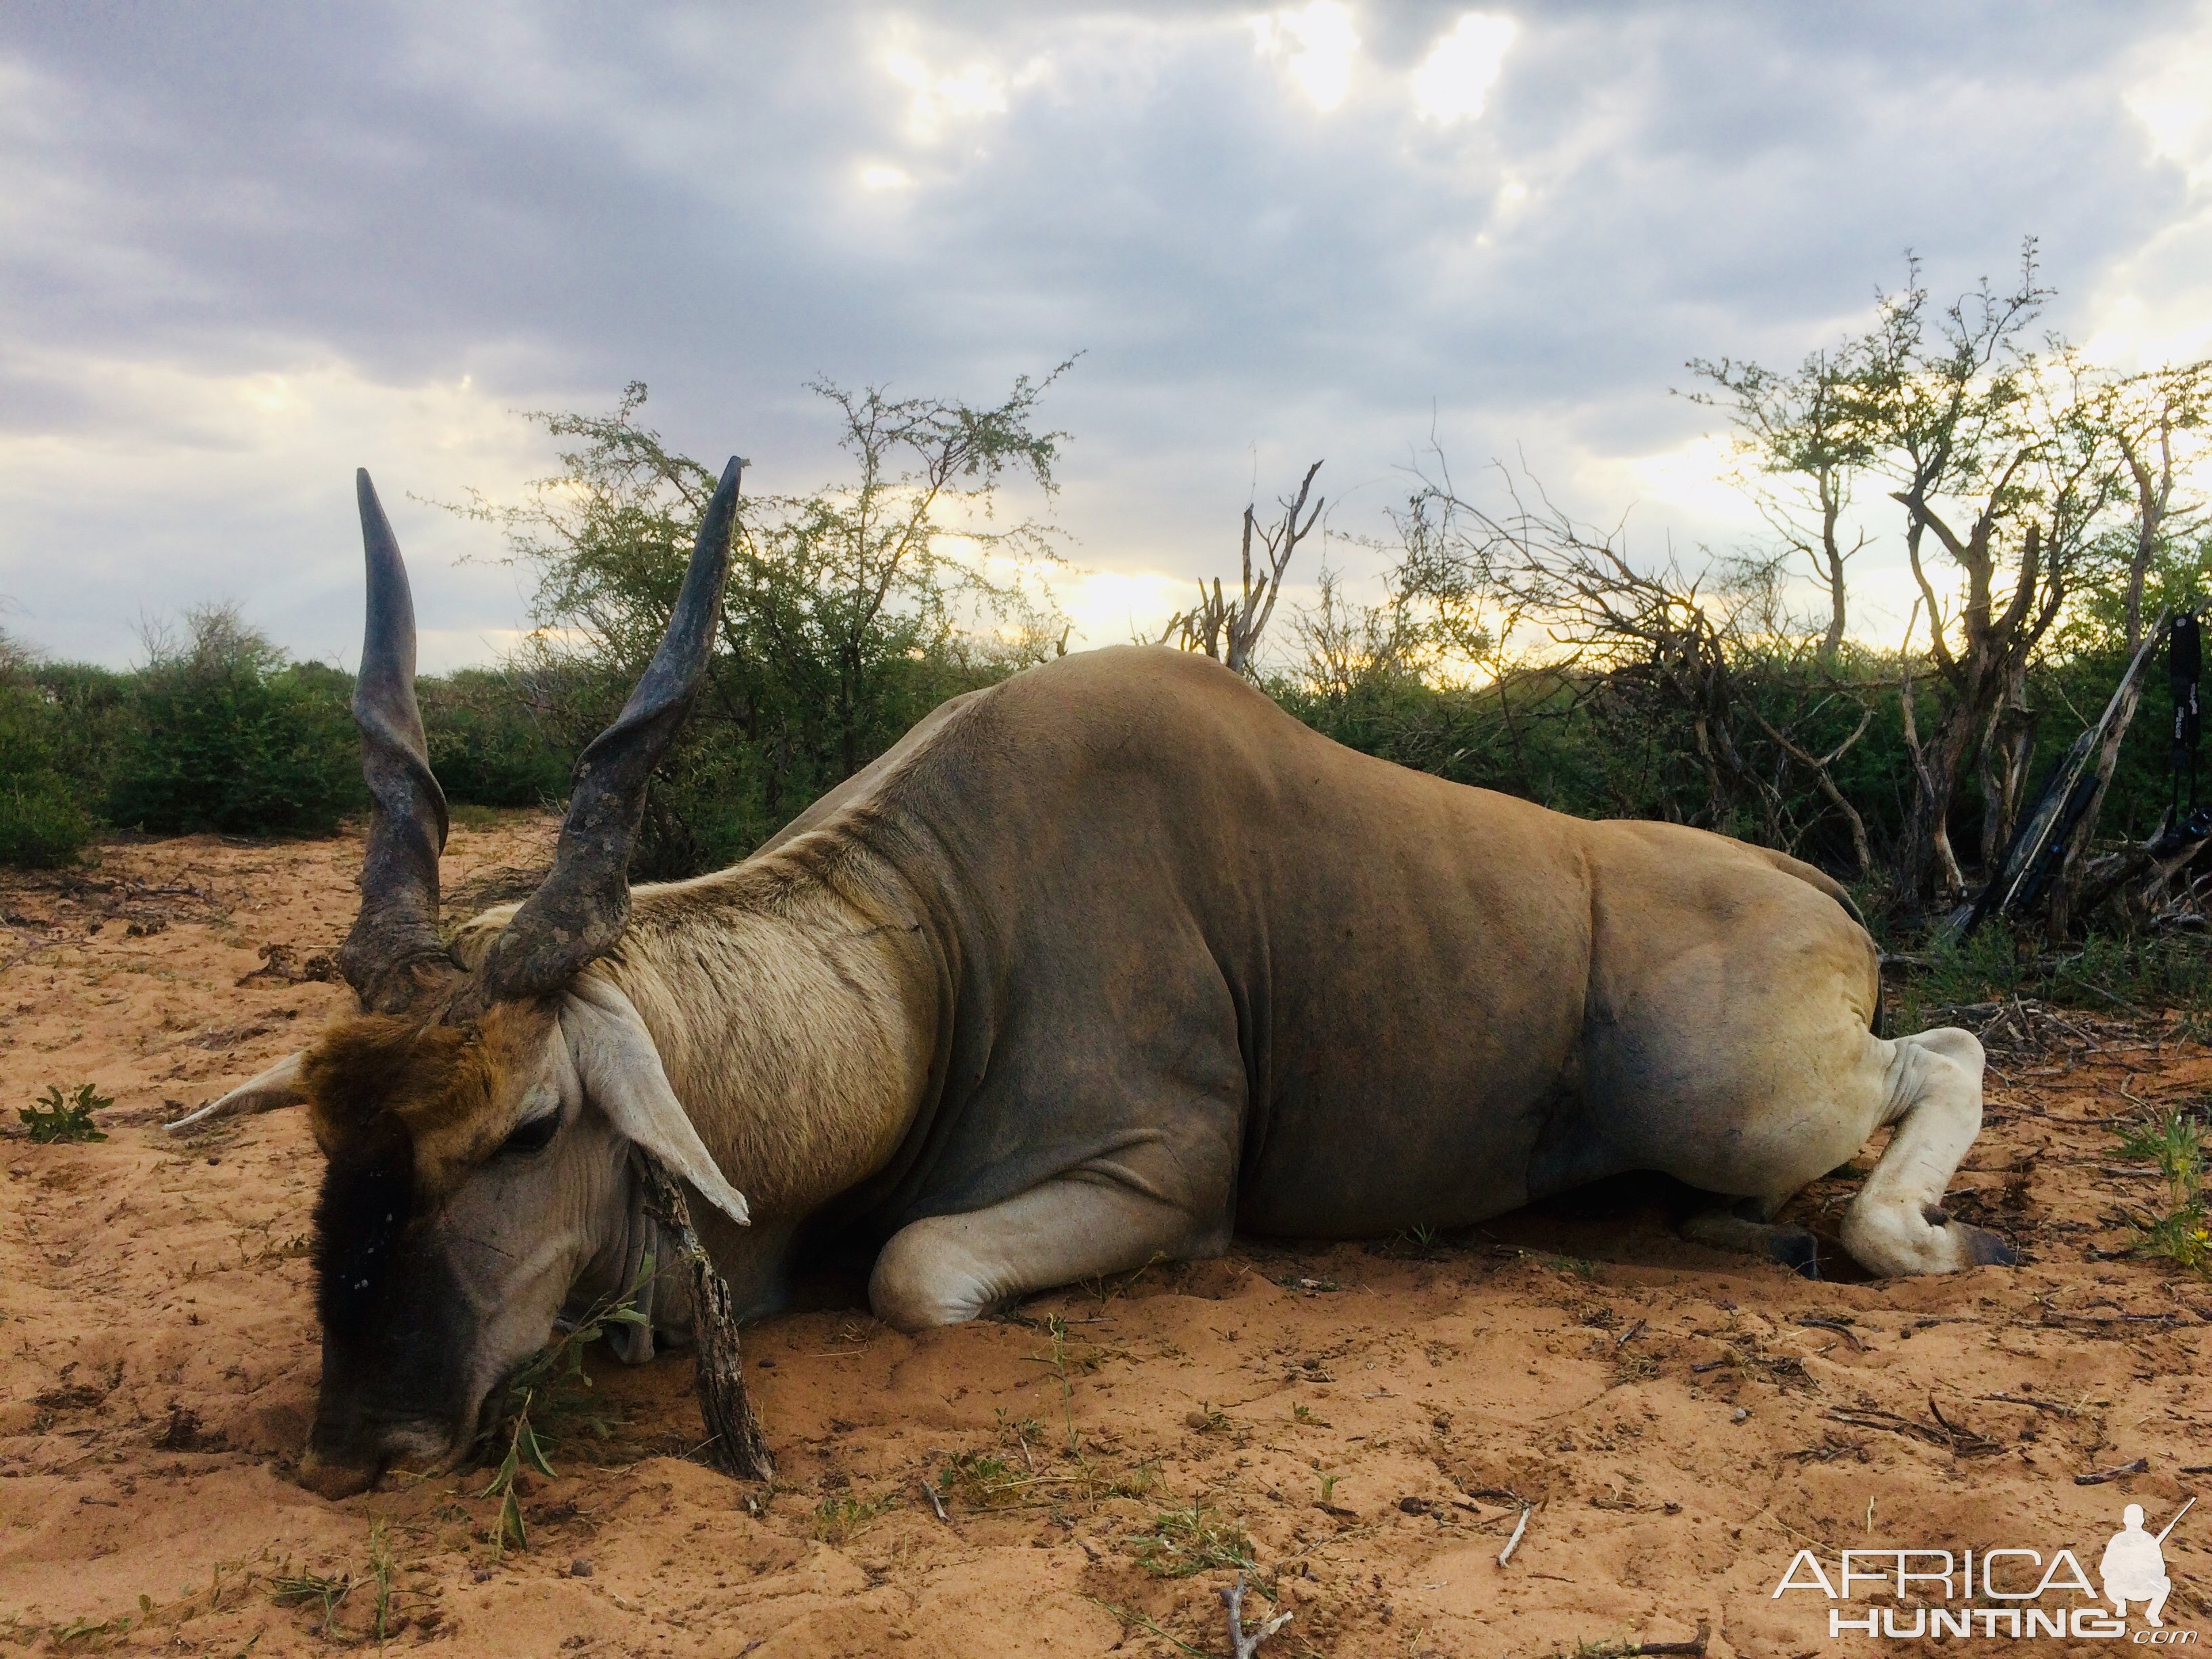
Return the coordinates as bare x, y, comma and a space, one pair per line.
350, 1447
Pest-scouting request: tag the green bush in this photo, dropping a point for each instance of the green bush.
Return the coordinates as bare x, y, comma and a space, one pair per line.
42, 822
41, 825
488, 745
227, 735
223, 732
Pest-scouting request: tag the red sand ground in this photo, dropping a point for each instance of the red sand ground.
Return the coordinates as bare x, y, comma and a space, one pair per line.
1370, 1416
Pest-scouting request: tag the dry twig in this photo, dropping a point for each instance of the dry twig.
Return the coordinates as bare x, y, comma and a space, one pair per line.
1244, 1644
1693, 1648
736, 1444
1837, 1326
2141, 1465
1514, 1542
2051, 1407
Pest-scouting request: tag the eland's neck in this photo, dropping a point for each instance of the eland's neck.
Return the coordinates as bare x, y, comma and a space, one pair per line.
796, 1023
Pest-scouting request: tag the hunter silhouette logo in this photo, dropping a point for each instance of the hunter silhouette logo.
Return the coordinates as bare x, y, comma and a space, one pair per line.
2133, 1567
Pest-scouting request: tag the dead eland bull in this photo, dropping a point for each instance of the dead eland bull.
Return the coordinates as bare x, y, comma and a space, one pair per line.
1098, 965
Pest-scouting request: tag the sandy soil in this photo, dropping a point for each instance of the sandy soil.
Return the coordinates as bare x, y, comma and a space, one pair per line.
1370, 1418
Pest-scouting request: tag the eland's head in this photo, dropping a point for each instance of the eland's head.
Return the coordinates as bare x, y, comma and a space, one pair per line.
480, 1107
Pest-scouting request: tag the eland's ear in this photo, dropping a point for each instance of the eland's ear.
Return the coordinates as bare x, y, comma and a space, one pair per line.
282, 1085
622, 1074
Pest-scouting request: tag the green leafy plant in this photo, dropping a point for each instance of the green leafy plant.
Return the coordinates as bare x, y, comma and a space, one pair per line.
59, 1117
87, 1630
48, 729
2174, 1141
522, 1449
850, 612
229, 734
41, 824
554, 1383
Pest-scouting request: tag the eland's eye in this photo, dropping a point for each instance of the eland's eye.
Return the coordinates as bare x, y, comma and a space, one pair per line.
534, 1136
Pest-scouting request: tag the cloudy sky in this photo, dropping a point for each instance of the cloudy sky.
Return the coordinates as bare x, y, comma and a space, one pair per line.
246, 248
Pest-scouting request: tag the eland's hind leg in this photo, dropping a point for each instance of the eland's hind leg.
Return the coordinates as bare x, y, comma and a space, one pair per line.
1746, 1226
1896, 1225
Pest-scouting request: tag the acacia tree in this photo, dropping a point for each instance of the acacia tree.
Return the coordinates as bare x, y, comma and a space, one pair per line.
2015, 465
2005, 471
2158, 420
1229, 634
849, 611
1677, 662
1806, 436
1440, 614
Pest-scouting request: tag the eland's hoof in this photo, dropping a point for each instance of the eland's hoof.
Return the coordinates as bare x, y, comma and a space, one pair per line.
1985, 1249
1796, 1250
334, 1481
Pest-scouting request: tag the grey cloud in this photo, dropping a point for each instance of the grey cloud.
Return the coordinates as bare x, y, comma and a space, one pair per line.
560, 199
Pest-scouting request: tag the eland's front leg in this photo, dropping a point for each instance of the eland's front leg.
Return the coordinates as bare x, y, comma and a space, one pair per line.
948, 1268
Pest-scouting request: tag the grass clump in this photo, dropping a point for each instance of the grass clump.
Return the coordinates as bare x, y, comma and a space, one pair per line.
2111, 973
981, 1481
1199, 1539
59, 1118
2174, 1141
297, 1589
842, 1516
328, 1592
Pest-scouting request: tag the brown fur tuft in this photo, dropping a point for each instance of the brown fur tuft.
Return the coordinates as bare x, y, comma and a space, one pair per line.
386, 1062
455, 1088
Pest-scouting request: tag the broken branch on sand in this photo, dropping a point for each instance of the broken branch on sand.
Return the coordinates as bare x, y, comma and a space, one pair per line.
1514, 1542
1693, 1648
1837, 1326
1244, 1644
1965, 1443
737, 1446
2052, 1406
2141, 1465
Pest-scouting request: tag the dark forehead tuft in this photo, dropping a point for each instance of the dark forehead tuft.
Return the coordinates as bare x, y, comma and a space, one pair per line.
377, 1063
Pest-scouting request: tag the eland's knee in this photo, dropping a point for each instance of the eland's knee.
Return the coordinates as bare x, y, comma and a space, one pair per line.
925, 1278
